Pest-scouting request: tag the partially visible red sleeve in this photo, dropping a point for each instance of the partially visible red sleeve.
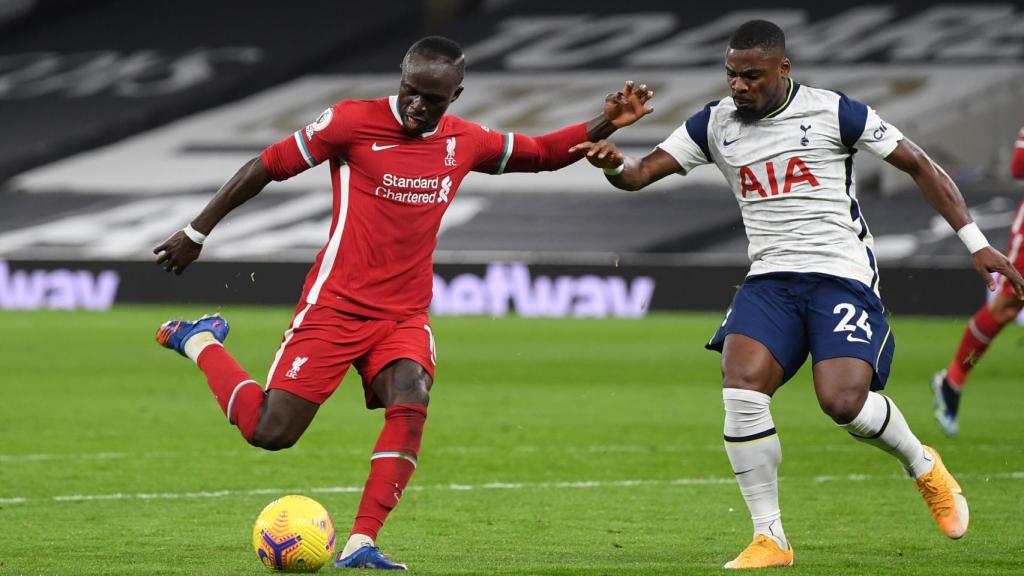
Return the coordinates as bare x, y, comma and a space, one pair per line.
510, 152
323, 138
1017, 163
547, 152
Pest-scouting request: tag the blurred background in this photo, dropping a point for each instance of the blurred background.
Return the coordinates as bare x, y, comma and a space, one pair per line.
120, 120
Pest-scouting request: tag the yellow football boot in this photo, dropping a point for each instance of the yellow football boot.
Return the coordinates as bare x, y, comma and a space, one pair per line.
944, 498
763, 552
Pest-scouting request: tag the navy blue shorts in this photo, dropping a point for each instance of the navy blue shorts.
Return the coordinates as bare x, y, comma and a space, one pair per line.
793, 314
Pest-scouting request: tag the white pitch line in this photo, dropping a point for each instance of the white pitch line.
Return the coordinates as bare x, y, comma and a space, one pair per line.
453, 487
439, 450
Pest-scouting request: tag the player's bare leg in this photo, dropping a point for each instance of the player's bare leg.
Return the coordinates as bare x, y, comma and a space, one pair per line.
750, 376
843, 389
981, 330
282, 420
404, 389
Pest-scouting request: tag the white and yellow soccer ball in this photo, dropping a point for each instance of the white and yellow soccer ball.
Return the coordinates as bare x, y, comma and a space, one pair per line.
294, 534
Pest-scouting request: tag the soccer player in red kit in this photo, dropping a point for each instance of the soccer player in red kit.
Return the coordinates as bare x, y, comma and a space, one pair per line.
395, 166
986, 323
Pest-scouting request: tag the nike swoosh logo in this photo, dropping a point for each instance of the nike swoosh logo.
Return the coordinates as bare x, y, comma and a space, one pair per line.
377, 148
744, 472
728, 142
850, 338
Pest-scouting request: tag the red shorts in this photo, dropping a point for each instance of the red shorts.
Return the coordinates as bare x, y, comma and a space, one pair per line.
322, 342
1015, 252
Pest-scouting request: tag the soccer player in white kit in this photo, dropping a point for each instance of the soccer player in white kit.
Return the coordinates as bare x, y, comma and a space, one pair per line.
787, 152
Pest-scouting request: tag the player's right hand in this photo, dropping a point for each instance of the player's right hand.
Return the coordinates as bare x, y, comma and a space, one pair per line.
988, 260
177, 252
602, 153
625, 107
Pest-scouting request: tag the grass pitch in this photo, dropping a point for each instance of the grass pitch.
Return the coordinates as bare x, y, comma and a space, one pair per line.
552, 447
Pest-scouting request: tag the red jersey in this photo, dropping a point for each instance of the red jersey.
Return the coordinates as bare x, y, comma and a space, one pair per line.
390, 192
1017, 163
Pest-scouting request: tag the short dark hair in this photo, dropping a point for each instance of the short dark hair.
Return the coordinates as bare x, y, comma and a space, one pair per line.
441, 49
760, 34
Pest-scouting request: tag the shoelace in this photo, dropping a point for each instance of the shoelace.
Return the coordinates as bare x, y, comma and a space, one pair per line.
936, 494
751, 552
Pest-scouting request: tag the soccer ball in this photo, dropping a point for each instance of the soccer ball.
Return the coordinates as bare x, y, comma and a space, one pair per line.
294, 534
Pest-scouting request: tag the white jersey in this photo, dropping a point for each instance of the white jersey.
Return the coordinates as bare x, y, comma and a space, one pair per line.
792, 174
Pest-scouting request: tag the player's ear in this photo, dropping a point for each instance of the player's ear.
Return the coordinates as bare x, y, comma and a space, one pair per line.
455, 96
784, 67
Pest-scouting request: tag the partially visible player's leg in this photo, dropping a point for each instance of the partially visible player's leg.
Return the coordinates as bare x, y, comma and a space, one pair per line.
981, 330
840, 382
979, 333
763, 344
853, 346
843, 389
282, 420
750, 376
403, 387
239, 397
314, 354
398, 375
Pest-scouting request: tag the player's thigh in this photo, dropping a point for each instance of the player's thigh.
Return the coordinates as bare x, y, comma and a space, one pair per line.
842, 385
749, 365
767, 310
403, 381
283, 420
411, 342
317, 350
1005, 306
846, 319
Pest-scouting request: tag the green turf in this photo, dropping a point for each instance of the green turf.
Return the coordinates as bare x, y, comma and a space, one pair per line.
565, 414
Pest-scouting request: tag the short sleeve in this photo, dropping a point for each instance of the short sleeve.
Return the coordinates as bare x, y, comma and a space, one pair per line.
688, 144
862, 128
326, 137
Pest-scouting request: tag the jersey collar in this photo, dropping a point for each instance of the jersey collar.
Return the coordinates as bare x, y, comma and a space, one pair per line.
790, 94
393, 104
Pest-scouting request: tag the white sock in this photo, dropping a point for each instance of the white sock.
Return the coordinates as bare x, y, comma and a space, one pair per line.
198, 343
355, 542
755, 453
881, 424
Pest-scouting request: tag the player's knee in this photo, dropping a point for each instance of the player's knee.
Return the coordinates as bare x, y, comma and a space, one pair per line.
411, 385
743, 379
1005, 310
842, 408
272, 440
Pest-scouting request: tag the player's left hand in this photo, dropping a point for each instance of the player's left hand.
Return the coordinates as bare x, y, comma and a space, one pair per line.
988, 260
177, 252
626, 107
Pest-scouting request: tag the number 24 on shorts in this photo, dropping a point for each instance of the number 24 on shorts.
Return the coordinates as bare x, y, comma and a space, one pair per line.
849, 311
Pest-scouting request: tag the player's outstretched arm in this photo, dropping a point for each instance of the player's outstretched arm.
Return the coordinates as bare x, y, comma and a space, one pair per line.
183, 247
552, 151
624, 172
941, 192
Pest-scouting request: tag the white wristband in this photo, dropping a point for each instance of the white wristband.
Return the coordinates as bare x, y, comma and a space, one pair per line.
615, 171
972, 237
194, 235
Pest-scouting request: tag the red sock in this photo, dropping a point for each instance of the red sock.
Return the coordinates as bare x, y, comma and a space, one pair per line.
225, 378
979, 333
391, 466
